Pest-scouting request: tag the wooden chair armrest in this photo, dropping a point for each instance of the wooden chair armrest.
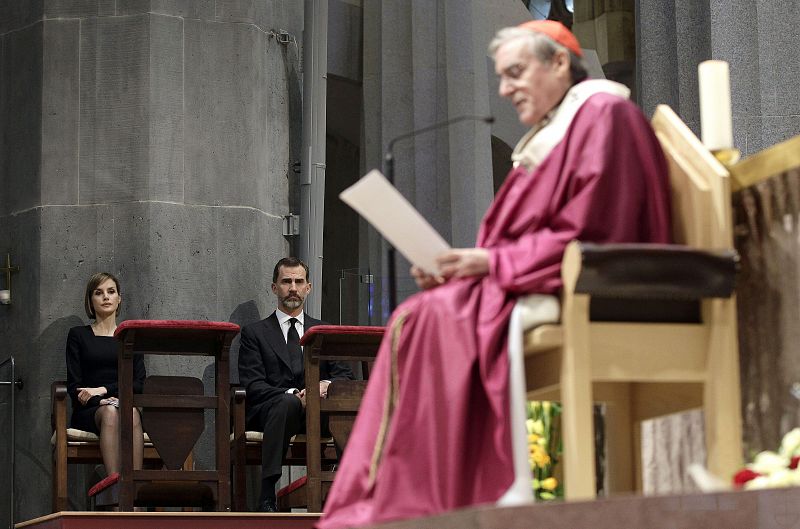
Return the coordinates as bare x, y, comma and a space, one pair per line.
58, 417
656, 271
648, 283
238, 398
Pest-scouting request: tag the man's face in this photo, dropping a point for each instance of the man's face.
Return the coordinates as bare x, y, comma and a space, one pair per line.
291, 289
533, 87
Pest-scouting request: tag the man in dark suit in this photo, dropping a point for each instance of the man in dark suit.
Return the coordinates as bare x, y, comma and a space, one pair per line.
271, 371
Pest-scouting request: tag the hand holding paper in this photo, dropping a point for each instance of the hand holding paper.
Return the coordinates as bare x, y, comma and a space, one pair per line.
464, 262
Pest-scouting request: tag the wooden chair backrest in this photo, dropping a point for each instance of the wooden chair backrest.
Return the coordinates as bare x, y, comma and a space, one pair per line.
700, 186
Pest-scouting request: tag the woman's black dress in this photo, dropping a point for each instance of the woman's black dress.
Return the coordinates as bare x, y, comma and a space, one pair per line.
92, 363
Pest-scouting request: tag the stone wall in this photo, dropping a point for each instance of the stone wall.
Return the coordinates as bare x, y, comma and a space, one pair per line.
152, 139
758, 39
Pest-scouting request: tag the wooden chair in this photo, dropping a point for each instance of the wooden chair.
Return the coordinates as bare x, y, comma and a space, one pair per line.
649, 330
73, 447
173, 414
317, 453
246, 451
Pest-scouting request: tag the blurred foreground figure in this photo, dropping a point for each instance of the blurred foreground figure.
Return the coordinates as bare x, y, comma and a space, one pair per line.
433, 433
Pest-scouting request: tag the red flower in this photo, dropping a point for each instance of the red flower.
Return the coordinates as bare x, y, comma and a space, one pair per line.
743, 476
793, 463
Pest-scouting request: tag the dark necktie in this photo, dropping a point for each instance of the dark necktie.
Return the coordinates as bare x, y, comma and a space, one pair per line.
295, 351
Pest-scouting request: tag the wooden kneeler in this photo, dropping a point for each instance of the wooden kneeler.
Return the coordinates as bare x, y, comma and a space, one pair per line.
164, 402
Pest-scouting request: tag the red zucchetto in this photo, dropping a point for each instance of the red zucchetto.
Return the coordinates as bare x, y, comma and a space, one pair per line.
556, 31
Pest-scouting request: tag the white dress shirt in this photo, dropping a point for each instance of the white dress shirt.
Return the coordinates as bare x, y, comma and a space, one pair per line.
283, 321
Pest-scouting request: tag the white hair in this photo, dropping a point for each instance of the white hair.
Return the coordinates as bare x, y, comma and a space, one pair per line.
542, 47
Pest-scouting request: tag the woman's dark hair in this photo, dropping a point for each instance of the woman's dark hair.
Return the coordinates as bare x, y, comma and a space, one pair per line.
95, 281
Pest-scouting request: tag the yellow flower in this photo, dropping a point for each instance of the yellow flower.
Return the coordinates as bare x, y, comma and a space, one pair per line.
549, 483
533, 438
539, 456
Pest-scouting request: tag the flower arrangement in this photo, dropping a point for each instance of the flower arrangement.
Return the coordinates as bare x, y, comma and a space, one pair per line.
544, 444
773, 469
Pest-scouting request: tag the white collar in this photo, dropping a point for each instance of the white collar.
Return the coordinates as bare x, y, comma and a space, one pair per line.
283, 317
537, 144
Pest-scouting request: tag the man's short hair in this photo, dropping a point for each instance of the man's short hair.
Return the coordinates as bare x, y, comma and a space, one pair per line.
542, 47
288, 262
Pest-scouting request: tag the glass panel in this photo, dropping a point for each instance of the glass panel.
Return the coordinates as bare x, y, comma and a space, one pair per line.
358, 297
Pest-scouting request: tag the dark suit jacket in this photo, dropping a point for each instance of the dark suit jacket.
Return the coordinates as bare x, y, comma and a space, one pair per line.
264, 367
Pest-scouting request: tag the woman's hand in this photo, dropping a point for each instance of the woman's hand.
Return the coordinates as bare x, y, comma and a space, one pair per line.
84, 394
425, 280
463, 262
110, 401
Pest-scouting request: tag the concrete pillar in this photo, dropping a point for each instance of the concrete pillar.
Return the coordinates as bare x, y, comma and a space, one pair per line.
756, 38
151, 139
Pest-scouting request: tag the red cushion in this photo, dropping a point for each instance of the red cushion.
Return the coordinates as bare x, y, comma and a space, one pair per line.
293, 486
177, 324
104, 483
333, 330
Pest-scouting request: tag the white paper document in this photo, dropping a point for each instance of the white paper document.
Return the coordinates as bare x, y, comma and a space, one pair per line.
375, 199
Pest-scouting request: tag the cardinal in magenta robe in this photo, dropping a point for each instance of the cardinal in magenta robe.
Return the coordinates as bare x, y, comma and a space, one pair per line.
433, 433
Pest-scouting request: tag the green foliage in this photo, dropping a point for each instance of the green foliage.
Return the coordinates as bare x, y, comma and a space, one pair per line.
544, 446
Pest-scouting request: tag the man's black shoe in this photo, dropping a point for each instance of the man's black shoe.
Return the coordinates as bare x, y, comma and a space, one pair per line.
268, 506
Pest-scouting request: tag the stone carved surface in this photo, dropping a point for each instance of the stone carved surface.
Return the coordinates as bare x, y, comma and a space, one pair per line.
768, 297
151, 139
669, 445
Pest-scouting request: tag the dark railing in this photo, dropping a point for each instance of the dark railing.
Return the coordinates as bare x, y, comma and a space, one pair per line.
13, 382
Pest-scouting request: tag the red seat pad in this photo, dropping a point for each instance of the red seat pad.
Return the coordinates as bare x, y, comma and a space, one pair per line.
177, 324
332, 330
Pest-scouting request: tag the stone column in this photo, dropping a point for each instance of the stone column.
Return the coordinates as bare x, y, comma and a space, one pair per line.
425, 62
150, 139
607, 26
758, 39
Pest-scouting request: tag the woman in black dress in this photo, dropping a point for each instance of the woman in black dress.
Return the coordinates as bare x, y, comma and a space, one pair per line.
92, 373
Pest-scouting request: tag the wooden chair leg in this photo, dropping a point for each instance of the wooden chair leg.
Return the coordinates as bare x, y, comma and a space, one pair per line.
188, 465
622, 452
60, 495
239, 478
60, 479
238, 452
577, 402
722, 396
